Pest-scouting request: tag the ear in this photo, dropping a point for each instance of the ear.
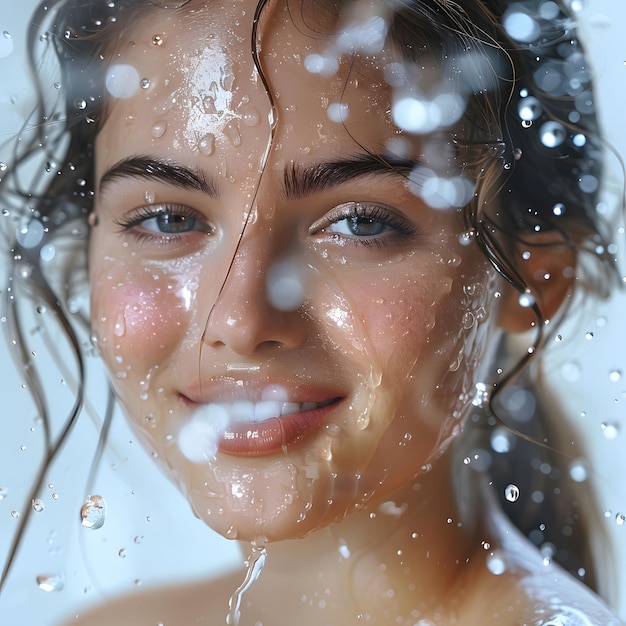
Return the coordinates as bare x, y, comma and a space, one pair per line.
547, 263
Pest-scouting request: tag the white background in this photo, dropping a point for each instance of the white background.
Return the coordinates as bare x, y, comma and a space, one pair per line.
150, 534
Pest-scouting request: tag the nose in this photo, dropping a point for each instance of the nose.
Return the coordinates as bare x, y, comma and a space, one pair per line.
247, 318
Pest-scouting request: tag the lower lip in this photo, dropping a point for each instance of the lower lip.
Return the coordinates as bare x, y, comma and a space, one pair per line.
272, 435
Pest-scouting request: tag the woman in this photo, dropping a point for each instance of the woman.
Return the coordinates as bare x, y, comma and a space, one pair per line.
311, 227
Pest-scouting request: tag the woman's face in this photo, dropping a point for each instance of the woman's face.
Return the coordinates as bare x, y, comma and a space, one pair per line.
292, 330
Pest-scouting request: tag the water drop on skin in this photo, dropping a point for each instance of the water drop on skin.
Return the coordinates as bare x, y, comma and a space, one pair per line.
120, 326
231, 130
251, 117
158, 129
206, 145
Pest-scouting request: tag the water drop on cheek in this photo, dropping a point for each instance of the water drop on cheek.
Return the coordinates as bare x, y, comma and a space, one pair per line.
206, 145
251, 117
158, 129
120, 326
231, 130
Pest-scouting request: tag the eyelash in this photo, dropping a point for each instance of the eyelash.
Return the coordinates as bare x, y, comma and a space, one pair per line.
374, 212
136, 218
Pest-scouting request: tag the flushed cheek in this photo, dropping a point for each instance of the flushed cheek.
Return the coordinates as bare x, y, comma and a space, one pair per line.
137, 324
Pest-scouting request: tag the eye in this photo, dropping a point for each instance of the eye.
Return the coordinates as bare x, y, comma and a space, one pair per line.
164, 222
363, 223
170, 223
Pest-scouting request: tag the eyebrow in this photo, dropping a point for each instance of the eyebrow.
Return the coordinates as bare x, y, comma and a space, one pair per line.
149, 168
299, 181
306, 180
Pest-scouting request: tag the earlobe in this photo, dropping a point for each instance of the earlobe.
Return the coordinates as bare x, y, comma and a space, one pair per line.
547, 263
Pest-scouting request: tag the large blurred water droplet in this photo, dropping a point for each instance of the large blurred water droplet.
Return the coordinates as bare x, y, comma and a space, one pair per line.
529, 108
93, 512
495, 563
122, 80
578, 471
610, 431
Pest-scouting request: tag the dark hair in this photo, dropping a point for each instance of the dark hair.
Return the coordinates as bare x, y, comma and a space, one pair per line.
530, 117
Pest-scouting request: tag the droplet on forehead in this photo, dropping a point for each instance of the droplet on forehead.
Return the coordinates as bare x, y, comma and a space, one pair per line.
158, 129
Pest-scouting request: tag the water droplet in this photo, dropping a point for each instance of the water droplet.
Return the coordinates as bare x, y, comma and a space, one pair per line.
120, 326
527, 123
55, 496
620, 518
589, 336
552, 134
158, 129
615, 375
38, 505
144, 83
578, 471
157, 40
231, 130
80, 104
250, 117
206, 145
50, 582
4, 492
511, 492
610, 431
93, 512
481, 396
122, 553
495, 563
529, 108
14, 514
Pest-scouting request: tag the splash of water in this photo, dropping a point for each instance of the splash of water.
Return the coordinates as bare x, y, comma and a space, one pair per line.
255, 563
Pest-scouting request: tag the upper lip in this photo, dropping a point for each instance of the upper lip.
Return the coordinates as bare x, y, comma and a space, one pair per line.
226, 389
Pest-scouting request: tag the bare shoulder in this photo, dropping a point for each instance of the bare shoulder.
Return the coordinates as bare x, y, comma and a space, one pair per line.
514, 584
204, 602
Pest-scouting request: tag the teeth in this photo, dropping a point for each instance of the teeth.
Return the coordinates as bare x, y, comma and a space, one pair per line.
247, 412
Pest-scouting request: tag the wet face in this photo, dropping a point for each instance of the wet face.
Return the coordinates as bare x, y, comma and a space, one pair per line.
292, 330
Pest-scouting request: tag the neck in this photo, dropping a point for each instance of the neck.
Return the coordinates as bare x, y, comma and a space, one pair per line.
392, 559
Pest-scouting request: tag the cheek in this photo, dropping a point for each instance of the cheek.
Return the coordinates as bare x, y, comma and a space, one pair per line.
138, 320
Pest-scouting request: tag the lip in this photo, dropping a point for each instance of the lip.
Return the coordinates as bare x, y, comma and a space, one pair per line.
270, 434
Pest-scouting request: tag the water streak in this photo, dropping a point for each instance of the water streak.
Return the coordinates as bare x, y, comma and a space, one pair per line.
255, 563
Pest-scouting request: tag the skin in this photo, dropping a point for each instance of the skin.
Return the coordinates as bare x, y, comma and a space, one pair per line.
394, 327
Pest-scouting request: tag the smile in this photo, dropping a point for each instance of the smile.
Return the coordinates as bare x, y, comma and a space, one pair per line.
247, 412
266, 427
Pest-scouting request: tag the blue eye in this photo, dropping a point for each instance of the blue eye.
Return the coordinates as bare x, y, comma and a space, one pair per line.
170, 224
358, 226
363, 223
